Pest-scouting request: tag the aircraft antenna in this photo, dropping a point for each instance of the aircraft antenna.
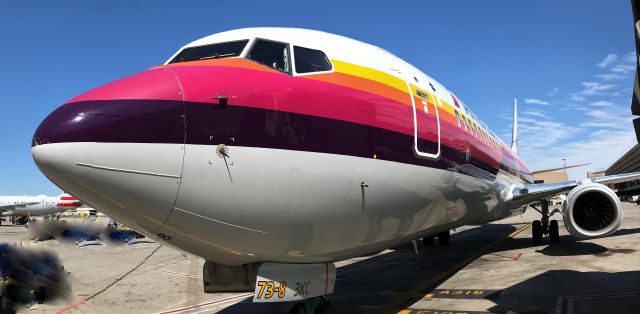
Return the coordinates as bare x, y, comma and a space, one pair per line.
514, 131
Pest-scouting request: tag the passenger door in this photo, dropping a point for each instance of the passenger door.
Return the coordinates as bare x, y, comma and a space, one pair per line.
426, 120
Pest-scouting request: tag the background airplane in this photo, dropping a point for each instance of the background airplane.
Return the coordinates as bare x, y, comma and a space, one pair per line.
274, 152
36, 205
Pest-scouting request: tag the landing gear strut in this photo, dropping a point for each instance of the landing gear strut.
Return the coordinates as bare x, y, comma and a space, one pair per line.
544, 226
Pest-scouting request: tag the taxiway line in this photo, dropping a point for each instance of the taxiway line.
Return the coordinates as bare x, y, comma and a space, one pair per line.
399, 301
172, 272
191, 307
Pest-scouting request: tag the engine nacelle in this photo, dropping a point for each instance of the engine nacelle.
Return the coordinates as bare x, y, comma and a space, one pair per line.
591, 210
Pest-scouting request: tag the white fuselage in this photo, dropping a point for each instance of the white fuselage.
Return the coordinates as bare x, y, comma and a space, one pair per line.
282, 206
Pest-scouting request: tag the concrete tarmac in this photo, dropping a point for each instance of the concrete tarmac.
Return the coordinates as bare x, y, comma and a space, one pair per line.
492, 268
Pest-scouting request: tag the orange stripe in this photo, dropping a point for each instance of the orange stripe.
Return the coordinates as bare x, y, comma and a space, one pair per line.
227, 62
377, 87
363, 84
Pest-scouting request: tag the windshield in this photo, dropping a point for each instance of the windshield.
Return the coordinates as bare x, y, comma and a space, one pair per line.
272, 54
213, 51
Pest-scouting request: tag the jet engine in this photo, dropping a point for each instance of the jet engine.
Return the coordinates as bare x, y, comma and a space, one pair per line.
591, 210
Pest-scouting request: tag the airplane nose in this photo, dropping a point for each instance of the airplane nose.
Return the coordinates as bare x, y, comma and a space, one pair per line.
119, 147
133, 109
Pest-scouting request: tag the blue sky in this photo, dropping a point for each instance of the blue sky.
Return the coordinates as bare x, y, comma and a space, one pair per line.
568, 62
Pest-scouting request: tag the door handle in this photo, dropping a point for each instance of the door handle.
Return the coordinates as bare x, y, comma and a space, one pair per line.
223, 101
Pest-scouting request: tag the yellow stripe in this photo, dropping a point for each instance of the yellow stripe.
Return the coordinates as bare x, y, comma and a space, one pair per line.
369, 73
392, 81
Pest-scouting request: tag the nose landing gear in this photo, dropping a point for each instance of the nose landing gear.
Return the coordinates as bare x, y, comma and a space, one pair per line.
309, 307
544, 226
444, 238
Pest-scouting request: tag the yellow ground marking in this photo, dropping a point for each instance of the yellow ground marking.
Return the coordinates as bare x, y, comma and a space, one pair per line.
391, 306
513, 234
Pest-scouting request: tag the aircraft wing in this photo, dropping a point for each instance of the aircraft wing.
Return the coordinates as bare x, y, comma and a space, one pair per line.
15, 206
532, 192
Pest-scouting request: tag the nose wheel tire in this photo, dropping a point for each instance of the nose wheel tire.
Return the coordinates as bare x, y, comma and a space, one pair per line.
554, 232
428, 241
536, 231
444, 237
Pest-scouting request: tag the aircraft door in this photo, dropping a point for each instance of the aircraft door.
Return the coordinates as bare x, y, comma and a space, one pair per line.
426, 121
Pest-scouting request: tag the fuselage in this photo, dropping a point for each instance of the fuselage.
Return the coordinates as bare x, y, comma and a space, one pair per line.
239, 159
37, 205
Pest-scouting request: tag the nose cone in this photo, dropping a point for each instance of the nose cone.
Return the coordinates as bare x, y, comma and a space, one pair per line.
119, 147
138, 108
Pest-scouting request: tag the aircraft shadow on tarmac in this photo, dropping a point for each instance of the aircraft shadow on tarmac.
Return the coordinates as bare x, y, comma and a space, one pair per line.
396, 280
570, 246
374, 282
564, 291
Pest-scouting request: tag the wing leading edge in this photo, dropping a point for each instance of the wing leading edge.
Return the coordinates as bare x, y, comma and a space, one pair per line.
16, 206
530, 193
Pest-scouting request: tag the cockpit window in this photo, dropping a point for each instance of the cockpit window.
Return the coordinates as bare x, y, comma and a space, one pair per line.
310, 60
272, 54
213, 51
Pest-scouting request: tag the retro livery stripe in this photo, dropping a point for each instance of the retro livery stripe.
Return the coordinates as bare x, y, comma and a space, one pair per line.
352, 99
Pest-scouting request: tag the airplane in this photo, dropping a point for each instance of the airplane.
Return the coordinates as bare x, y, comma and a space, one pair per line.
36, 205
275, 152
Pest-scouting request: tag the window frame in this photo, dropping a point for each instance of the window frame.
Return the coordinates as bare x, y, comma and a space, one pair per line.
240, 55
293, 61
457, 118
255, 40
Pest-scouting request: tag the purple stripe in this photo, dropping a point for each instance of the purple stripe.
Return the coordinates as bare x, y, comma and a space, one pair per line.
121, 121
154, 121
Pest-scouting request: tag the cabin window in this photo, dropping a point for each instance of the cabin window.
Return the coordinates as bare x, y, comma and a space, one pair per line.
457, 118
213, 51
310, 60
272, 54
